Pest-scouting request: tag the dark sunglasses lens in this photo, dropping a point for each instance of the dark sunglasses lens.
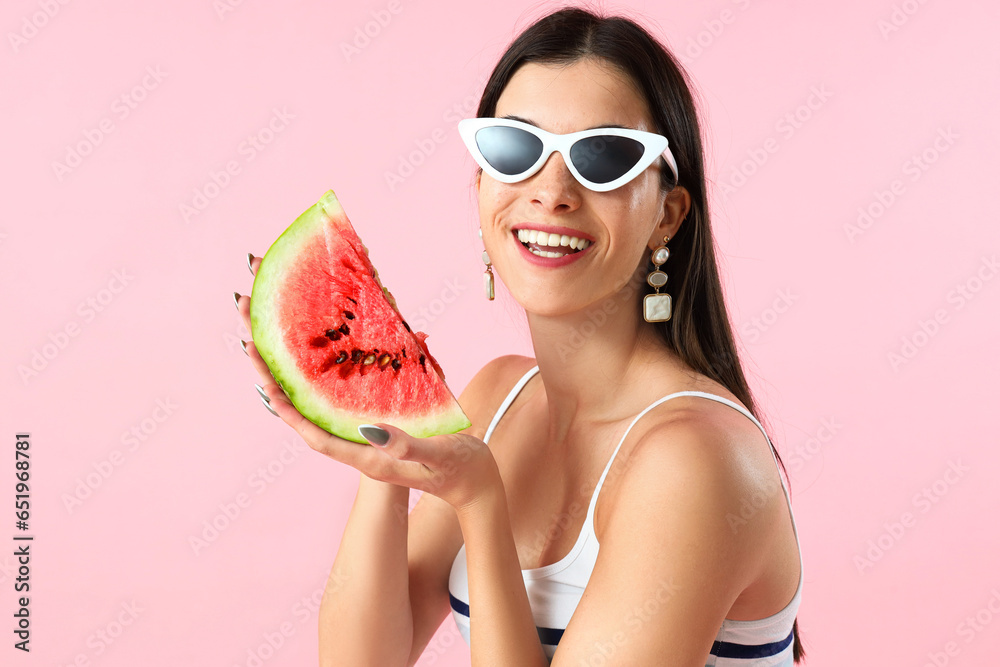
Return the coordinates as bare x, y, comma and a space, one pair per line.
604, 158
510, 150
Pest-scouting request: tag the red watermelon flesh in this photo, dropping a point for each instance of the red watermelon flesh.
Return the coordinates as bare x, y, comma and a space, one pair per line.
334, 340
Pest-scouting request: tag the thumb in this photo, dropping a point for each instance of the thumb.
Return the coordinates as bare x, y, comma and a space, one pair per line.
397, 443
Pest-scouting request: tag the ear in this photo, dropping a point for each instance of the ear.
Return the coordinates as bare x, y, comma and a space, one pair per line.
676, 205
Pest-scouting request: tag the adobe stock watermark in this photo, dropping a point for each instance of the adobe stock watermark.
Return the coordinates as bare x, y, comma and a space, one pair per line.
562, 521
914, 167
104, 637
88, 310
259, 481
750, 506
248, 150
223, 7
923, 501
761, 323
604, 649
898, 17
814, 444
968, 629
301, 612
364, 35
958, 297
786, 126
599, 315
439, 645
428, 145
232, 341
436, 307
32, 24
121, 108
711, 31
102, 470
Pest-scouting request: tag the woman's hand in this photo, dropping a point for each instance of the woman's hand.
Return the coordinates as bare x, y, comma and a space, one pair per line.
457, 467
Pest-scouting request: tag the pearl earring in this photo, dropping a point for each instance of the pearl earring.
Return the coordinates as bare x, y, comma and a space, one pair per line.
488, 275
656, 307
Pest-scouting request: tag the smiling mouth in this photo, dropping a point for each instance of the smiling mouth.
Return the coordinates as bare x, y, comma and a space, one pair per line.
550, 245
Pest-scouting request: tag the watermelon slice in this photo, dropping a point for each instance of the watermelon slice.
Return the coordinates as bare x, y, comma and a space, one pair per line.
335, 341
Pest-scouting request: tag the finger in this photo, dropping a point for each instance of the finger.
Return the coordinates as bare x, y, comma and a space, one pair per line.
243, 307
254, 262
354, 454
402, 446
266, 377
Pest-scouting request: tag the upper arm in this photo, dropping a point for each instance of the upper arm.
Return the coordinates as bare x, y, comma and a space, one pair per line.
669, 566
434, 536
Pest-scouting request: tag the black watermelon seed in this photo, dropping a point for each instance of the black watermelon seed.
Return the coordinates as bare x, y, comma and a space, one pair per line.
319, 341
356, 355
396, 365
352, 300
422, 360
384, 360
333, 334
404, 352
370, 359
343, 328
341, 358
348, 314
407, 326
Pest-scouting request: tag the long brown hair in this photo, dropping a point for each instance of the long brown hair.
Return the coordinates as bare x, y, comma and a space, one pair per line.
699, 330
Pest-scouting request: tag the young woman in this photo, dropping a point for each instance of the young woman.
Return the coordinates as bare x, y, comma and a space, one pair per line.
628, 509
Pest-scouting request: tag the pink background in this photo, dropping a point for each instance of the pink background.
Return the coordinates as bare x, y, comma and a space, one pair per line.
862, 436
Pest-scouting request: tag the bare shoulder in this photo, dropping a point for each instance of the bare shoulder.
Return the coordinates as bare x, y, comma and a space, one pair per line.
668, 541
703, 462
486, 390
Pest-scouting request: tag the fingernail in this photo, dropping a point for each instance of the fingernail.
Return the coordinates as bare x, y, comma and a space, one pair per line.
374, 434
249, 265
244, 344
260, 390
236, 298
269, 408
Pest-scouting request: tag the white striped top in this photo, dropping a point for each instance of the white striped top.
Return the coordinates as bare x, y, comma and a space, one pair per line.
555, 590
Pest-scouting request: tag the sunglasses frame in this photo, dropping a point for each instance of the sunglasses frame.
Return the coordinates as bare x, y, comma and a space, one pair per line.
654, 146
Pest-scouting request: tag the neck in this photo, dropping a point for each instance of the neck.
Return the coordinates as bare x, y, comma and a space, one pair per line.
590, 360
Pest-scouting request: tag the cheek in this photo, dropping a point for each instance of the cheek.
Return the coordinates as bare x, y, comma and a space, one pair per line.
494, 198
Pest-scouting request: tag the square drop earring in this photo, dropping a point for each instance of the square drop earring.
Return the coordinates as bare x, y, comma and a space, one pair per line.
656, 307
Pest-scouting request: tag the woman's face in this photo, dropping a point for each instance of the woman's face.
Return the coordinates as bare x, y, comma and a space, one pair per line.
622, 224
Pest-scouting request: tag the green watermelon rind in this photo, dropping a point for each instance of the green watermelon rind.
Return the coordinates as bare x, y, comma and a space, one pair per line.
282, 364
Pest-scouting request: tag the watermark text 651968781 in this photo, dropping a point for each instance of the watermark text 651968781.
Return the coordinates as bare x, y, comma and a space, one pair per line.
22, 542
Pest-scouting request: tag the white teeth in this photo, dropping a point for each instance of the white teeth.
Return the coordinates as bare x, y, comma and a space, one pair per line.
543, 253
551, 240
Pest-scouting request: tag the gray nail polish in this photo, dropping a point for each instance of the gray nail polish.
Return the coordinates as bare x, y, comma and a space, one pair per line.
236, 299
244, 344
269, 408
249, 265
263, 396
374, 434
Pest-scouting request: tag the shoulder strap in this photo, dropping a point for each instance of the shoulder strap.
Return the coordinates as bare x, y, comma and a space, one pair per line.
507, 401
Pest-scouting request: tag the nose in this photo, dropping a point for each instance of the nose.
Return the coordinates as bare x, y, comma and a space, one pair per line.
553, 188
